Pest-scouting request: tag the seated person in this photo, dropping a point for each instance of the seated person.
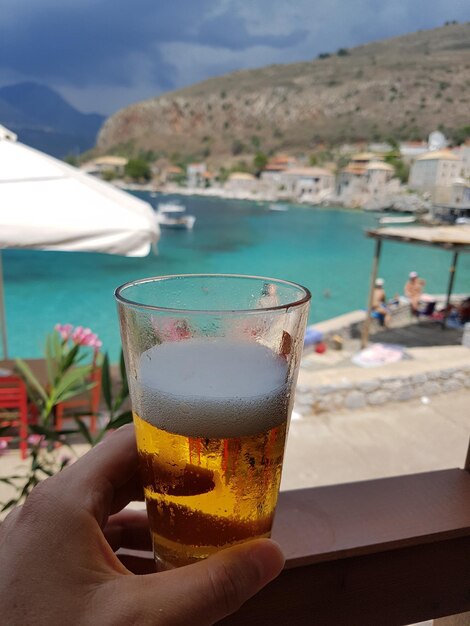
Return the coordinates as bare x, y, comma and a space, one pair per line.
464, 311
413, 291
379, 307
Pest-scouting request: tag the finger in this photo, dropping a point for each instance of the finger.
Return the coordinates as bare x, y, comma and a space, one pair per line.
207, 591
105, 471
131, 491
128, 529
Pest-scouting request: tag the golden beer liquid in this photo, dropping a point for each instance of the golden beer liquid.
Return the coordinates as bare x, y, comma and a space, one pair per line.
204, 494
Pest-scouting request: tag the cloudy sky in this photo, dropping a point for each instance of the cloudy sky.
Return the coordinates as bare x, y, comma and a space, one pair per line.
104, 54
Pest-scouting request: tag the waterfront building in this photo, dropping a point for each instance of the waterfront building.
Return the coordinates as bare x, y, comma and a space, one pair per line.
465, 158
242, 183
274, 168
172, 173
434, 173
107, 163
307, 184
196, 174
365, 179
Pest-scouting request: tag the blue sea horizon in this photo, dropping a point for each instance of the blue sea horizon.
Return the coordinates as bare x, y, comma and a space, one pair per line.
322, 249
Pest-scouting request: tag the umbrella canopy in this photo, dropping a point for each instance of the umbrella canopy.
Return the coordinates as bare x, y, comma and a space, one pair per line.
46, 204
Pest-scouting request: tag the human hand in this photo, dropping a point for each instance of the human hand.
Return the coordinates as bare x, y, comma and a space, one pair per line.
57, 559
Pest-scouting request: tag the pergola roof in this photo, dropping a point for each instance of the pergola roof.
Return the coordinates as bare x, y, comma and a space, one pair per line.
456, 238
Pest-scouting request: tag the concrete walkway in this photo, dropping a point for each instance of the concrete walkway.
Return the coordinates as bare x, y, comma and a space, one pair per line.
375, 442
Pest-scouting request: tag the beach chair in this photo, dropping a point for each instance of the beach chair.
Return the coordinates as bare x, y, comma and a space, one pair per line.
84, 405
14, 410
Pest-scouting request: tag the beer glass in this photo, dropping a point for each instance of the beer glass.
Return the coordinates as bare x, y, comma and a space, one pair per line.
212, 362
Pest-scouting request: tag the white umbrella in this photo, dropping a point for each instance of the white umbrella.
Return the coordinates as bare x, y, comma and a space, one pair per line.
46, 204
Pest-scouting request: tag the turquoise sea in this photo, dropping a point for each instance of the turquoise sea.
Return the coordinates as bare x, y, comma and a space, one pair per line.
324, 249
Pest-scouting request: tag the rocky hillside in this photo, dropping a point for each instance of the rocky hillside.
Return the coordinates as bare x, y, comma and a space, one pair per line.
403, 87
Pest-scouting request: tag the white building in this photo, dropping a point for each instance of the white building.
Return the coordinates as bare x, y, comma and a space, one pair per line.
242, 184
196, 173
308, 184
460, 198
465, 158
434, 173
109, 163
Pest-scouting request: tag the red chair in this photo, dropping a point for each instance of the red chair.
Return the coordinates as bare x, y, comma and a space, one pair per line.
14, 409
85, 404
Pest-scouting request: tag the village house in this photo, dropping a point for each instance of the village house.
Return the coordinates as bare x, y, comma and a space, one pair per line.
195, 173
464, 153
434, 173
242, 184
275, 167
366, 180
109, 163
307, 184
172, 173
410, 150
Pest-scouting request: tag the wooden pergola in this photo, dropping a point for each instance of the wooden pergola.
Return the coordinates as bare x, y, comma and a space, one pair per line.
455, 239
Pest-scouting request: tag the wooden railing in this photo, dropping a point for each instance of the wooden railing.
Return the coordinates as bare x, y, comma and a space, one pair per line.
377, 553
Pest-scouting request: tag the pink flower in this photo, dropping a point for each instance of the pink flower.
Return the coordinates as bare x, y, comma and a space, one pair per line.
3, 445
64, 330
35, 440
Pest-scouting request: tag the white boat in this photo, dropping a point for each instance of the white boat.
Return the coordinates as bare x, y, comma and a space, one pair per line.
397, 220
179, 222
170, 207
275, 206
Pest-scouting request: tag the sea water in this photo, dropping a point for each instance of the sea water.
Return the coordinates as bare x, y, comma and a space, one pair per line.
323, 249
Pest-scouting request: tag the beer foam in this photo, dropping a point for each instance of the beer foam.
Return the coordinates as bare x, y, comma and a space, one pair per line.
212, 388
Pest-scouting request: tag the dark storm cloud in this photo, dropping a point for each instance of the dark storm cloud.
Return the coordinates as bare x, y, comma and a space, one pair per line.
90, 45
103, 42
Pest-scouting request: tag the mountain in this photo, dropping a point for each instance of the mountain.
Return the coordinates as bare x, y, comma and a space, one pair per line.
44, 120
403, 87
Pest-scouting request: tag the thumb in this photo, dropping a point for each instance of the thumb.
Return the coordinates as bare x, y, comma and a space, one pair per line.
207, 591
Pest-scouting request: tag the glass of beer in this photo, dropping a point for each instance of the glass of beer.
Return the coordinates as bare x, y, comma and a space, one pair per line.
212, 362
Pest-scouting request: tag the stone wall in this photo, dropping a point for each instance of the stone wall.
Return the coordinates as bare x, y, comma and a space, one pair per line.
379, 390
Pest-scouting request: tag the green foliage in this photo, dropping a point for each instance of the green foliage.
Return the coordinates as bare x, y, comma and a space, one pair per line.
137, 169
259, 161
313, 160
108, 175
342, 52
459, 135
402, 170
223, 174
72, 159
324, 55
68, 376
255, 142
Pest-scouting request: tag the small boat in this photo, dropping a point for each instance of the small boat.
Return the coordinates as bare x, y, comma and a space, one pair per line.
170, 207
276, 206
397, 220
172, 215
181, 222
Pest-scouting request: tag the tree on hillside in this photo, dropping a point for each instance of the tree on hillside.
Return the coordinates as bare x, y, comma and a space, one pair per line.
138, 169
259, 161
402, 170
